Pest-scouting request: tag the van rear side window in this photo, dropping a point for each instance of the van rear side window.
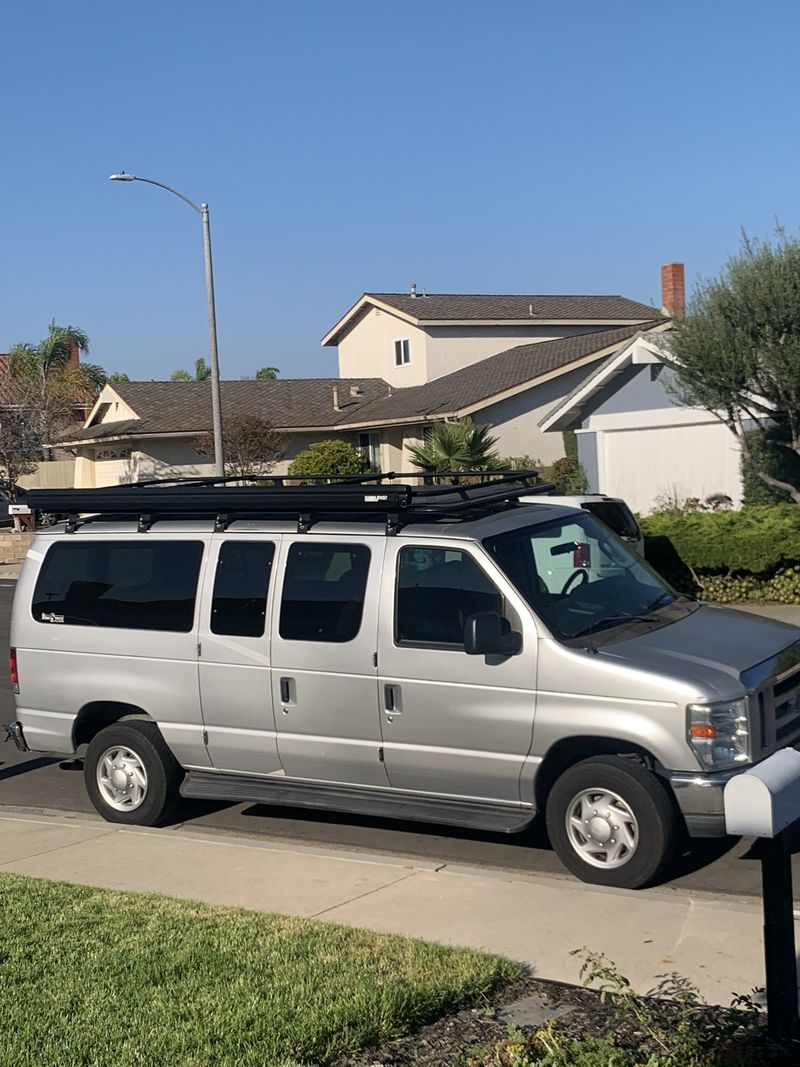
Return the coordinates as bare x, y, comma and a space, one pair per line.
239, 607
143, 585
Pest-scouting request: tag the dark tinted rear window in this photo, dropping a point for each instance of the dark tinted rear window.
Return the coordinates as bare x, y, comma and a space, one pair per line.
239, 606
616, 516
142, 585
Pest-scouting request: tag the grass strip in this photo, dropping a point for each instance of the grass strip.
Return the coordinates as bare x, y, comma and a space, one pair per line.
96, 978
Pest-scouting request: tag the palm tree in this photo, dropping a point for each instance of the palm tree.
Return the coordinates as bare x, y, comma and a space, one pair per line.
267, 374
456, 446
202, 372
50, 381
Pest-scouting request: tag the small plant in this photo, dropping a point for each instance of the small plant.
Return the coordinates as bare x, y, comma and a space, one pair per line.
328, 457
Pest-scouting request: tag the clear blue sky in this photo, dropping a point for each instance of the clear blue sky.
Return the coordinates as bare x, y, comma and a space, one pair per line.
468, 147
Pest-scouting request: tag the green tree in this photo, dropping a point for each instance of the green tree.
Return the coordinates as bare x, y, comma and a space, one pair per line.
267, 374
456, 446
328, 457
202, 372
48, 384
737, 351
252, 445
118, 376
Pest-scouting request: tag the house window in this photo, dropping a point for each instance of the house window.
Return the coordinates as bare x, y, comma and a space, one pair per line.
370, 446
402, 353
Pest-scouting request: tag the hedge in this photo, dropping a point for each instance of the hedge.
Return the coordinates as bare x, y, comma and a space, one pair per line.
730, 556
754, 540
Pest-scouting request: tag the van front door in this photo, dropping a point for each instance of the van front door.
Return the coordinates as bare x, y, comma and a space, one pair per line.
324, 678
453, 724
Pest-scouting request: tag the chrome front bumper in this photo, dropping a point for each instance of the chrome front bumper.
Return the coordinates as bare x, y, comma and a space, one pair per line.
699, 797
13, 732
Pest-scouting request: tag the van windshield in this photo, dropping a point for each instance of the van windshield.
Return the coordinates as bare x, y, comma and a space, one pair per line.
580, 578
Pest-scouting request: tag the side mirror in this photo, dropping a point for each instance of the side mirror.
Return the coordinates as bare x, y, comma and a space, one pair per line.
488, 634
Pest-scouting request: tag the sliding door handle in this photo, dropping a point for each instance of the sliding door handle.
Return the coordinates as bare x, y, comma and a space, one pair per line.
288, 692
391, 700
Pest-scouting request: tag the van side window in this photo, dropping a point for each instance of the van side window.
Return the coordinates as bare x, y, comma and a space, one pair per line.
323, 592
142, 585
239, 604
437, 588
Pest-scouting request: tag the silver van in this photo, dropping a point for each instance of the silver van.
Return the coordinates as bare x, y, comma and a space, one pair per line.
444, 654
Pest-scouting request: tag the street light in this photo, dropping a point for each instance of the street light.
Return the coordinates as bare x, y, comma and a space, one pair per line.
216, 404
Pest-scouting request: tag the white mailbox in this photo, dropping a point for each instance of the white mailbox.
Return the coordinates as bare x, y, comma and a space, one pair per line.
766, 799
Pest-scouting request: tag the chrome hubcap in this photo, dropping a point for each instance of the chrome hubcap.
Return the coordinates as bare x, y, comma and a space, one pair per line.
121, 778
602, 828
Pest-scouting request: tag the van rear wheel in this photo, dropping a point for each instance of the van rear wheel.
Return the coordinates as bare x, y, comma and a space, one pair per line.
611, 822
131, 776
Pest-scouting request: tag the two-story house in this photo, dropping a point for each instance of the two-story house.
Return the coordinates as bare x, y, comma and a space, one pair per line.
405, 361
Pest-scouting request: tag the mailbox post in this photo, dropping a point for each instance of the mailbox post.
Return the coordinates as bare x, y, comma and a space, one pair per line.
764, 802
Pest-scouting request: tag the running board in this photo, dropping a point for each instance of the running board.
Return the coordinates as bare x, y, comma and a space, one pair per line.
353, 800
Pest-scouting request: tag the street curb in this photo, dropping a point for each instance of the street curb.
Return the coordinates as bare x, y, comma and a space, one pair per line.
234, 839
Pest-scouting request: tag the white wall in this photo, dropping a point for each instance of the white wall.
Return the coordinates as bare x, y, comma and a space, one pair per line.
51, 474
515, 421
692, 459
367, 351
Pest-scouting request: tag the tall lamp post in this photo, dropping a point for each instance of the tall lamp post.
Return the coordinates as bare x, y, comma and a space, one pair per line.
216, 404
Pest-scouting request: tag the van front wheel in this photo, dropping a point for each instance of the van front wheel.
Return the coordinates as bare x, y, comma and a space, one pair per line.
131, 776
611, 822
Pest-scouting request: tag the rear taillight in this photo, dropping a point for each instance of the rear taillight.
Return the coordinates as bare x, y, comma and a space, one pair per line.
12, 667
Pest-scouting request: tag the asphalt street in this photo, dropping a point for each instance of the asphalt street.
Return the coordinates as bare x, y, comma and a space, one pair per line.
36, 781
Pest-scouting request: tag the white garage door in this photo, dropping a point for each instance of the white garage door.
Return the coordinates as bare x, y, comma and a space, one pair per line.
643, 465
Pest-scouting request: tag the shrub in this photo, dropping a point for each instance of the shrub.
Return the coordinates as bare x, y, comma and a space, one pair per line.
728, 557
780, 462
328, 457
754, 540
567, 475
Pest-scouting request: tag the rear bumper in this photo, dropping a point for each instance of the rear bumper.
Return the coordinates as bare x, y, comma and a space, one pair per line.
700, 798
13, 732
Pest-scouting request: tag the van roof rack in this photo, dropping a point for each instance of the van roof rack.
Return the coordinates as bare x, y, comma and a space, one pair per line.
354, 498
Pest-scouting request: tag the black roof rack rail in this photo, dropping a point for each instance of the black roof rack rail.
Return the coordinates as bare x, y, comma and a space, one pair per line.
356, 498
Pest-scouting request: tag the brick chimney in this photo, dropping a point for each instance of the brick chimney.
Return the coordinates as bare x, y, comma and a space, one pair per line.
673, 290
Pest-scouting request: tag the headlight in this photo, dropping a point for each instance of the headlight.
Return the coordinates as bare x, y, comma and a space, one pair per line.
719, 733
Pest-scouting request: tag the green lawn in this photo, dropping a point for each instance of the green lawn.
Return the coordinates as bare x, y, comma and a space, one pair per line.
106, 979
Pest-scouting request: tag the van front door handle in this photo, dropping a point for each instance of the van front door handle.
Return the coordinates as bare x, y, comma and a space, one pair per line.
391, 700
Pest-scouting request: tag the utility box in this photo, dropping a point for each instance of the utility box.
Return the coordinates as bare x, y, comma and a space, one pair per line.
764, 800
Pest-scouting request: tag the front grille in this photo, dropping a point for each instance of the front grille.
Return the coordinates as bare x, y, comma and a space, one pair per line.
779, 711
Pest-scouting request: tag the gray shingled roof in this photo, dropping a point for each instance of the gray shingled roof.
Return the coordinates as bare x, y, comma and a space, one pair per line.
185, 407
494, 375
449, 307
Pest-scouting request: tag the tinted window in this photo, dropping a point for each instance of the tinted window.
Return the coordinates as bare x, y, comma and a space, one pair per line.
437, 588
616, 516
323, 592
239, 606
141, 585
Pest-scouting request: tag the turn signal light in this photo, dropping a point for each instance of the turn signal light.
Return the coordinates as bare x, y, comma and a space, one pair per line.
702, 730
12, 668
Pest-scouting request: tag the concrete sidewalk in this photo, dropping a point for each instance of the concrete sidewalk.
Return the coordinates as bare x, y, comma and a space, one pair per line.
538, 921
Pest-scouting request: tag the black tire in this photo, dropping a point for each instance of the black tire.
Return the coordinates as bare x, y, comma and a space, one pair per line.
656, 824
163, 775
